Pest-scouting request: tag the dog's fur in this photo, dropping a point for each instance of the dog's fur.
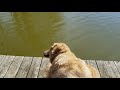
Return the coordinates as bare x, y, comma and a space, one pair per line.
64, 64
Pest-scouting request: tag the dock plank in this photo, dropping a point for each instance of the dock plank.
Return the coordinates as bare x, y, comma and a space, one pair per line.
42, 73
5, 65
2, 58
93, 63
114, 68
109, 70
31, 67
101, 67
12, 71
24, 68
34, 69
117, 63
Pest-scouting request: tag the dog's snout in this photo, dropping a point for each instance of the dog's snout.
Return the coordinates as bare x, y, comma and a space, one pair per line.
46, 53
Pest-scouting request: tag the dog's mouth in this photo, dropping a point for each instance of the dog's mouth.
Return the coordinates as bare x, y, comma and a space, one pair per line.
46, 53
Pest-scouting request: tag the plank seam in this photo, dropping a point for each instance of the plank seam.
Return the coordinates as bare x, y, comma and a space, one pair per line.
19, 67
2, 59
9, 67
98, 68
38, 71
40, 67
29, 67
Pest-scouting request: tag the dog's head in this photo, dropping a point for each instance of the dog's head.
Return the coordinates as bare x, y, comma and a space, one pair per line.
55, 50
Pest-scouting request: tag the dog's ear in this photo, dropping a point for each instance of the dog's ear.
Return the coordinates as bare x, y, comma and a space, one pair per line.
58, 48
62, 48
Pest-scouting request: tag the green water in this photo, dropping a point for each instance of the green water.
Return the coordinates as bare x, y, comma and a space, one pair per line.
90, 35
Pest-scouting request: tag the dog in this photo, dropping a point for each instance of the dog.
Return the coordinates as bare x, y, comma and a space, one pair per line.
64, 64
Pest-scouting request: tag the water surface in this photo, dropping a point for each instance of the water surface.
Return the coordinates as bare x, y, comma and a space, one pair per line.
90, 35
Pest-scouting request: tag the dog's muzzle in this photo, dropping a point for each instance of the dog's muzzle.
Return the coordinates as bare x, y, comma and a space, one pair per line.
46, 54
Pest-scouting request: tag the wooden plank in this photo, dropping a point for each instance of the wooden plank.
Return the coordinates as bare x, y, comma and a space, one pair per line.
2, 58
117, 63
12, 71
109, 69
42, 73
101, 67
5, 65
93, 63
114, 68
34, 69
24, 68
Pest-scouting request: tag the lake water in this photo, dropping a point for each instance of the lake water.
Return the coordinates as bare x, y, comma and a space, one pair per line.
90, 35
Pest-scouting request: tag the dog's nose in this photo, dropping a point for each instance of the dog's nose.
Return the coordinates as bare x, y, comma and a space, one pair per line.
46, 53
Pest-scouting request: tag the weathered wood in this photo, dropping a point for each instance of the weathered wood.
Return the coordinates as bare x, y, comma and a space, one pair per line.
42, 73
31, 67
24, 68
5, 65
114, 69
34, 69
92, 63
117, 63
101, 67
109, 69
2, 58
12, 71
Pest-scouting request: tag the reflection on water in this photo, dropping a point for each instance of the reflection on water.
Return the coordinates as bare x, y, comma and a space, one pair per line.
91, 35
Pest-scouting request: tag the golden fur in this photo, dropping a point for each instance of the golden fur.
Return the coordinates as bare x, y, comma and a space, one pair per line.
64, 64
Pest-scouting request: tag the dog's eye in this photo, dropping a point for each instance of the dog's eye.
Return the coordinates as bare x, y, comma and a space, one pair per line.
53, 52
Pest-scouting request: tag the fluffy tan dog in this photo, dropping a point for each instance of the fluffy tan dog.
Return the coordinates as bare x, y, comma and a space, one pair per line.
64, 64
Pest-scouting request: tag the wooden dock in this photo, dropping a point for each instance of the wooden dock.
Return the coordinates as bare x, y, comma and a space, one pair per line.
31, 67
